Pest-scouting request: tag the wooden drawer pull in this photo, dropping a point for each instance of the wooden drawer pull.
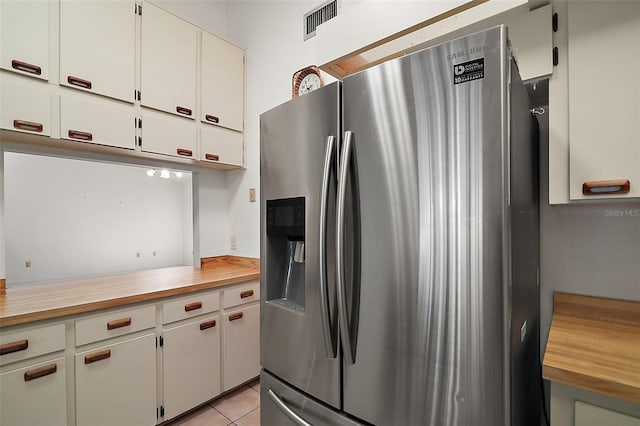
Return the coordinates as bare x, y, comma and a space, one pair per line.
122, 322
23, 66
85, 84
192, 306
619, 186
212, 157
77, 134
235, 316
28, 125
36, 373
97, 356
184, 152
207, 324
17, 346
212, 118
246, 293
183, 110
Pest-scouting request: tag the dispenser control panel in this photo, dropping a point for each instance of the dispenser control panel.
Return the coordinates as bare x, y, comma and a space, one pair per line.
285, 216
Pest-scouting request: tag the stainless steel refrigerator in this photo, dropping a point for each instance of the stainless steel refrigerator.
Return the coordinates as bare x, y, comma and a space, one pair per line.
399, 245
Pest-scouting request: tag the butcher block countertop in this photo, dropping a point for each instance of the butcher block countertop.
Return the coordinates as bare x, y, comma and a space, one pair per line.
33, 302
594, 344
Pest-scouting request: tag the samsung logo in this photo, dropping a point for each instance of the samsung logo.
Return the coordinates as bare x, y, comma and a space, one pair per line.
465, 53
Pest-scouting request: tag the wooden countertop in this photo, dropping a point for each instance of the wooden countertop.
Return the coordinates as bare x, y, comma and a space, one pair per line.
594, 344
33, 302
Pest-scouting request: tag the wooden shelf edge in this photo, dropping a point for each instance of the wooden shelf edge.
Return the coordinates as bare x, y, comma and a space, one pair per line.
592, 384
597, 308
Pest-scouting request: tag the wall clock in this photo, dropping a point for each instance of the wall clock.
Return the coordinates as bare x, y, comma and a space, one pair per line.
305, 80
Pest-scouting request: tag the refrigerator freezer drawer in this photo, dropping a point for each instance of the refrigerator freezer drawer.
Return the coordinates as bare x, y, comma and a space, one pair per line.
307, 411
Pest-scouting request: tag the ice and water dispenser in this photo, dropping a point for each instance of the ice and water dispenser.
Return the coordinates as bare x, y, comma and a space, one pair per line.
286, 252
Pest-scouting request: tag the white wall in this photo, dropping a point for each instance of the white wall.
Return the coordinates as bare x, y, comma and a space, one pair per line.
73, 218
272, 33
213, 213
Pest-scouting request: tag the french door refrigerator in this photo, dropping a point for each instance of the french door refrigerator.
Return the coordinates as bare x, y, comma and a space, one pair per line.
399, 245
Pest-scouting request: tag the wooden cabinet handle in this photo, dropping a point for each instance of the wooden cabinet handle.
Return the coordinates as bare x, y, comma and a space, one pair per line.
23, 66
207, 324
16, 346
77, 134
619, 186
97, 356
246, 293
184, 152
28, 125
122, 322
192, 306
235, 316
36, 373
212, 157
75, 81
183, 110
212, 118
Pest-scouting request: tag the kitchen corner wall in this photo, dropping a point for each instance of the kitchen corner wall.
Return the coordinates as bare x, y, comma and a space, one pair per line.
272, 33
585, 248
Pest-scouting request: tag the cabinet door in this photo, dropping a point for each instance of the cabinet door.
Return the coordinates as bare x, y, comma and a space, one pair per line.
25, 106
590, 415
191, 365
222, 146
168, 135
35, 395
97, 46
241, 345
168, 62
97, 121
24, 37
116, 384
604, 95
222, 85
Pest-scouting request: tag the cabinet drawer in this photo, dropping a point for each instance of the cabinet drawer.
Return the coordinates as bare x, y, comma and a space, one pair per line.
25, 107
222, 146
26, 344
243, 294
164, 134
35, 395
101, 122
190, 306
114, 324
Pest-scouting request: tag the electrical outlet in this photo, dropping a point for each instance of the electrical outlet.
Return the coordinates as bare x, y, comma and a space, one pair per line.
233, 243
27, 264
154, 253
252, 195
138, 254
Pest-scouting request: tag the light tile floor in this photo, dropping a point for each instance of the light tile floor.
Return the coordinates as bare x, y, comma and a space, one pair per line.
238, 408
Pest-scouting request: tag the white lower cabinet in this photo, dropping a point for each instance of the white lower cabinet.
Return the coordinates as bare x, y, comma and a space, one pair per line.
241, 345
191, 365
35, 395
221, 145
102, 122
116, 384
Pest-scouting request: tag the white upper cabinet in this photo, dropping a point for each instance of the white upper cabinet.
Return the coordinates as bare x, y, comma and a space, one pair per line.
221, 146
604, 98
222, 78
594, 102
97, 46
25, 105
168, 74
162, 134
24, 37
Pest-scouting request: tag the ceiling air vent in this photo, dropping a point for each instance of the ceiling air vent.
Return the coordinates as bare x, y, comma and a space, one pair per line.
319, 15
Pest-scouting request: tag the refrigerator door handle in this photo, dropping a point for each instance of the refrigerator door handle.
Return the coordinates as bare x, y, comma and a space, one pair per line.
329, 344
286, 410
343, 319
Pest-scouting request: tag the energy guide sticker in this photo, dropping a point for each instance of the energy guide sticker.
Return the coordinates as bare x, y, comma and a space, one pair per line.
468, 71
